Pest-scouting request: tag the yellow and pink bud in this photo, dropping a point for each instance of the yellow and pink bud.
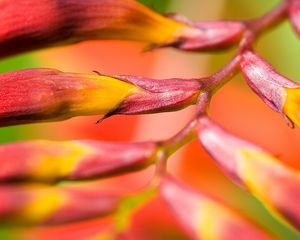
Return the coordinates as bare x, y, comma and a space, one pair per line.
39, 95
33, 24
278, 92
203, 217
42, 204
274, 184
49, 161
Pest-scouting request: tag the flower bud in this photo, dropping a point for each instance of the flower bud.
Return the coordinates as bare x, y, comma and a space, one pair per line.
49, 161
204, 217
278, 92
39, 95
274, 184
42, 204
33, 24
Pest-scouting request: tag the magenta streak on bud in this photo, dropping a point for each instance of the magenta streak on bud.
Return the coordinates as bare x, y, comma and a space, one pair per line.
159, 95
209, 35
41, 204
268, 84
222, 147
51, 161
294, 13
203, 217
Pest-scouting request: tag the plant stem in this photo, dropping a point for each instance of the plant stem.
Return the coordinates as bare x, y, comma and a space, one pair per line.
270, 19
217, 80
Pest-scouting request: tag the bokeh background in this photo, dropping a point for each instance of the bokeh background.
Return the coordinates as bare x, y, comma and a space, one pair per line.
234, 107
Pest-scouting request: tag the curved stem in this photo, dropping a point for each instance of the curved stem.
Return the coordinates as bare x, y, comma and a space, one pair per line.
254, 28
187, 134
217, 80
270, 19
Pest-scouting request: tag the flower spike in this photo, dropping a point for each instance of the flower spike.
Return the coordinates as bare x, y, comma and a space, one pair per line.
49, 161
278, 92
39, 95
203, 217
250, 166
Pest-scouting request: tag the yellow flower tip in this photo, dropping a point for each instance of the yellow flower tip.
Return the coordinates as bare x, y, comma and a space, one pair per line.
131, 20
159, 29
291, 107
260, 171
102, 96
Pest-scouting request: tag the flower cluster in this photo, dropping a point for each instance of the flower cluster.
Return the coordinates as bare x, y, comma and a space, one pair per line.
31, 171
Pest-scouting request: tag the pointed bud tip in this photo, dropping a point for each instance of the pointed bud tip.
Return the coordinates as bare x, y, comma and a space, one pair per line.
207, 36
291, 105
277, 91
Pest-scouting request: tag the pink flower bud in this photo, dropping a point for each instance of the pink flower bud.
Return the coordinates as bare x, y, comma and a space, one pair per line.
41, 204
274, 184
204, 217
38, 95
73, 160
33, 24
278, 92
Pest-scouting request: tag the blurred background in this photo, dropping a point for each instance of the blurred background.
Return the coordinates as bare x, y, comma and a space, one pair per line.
235, 107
